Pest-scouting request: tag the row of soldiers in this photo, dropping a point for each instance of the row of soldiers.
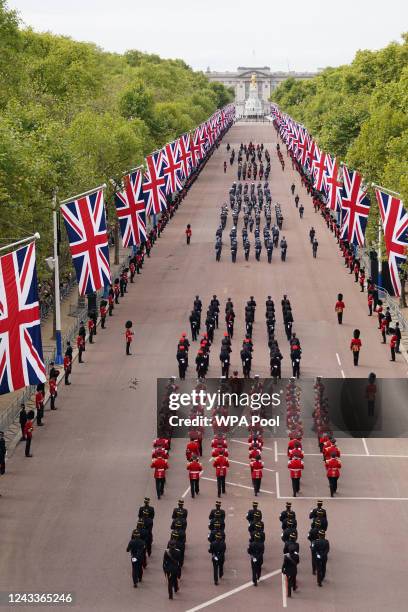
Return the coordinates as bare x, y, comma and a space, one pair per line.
326, 440
140, 543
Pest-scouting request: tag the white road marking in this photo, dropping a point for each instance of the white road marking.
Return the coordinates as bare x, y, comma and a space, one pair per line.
277, 485
343, 374
235, 484
284, 599
247, 444
185, 493
375, 456
244, 586
275, 444
338, 359
365, 446
348, 498
242, 463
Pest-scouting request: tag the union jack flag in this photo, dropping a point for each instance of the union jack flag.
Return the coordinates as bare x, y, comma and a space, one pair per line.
319, 167
154, 184
21, 357
85, 222
172, 170
303, 145
131, 210
332, 185
196, 144
394, 219
311, 154
209, 133
355, 206
185, 154
200, 138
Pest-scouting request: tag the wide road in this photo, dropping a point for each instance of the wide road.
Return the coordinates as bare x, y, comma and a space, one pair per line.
66, 514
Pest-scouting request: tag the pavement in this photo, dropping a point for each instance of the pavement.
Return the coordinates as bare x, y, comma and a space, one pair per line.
66, 514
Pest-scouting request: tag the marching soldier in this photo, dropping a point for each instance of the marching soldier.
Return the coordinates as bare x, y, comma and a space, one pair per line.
333, 467
194, 324
292, 547
315, 244
198, 306
188, 233
171, 567
234, 248
339, 308
288, 511
355, 346
289, 569
180, 511
289, 529
254, 514
246, 359
221, 465
215, 307
194, 468
319, 507
128, 336
256, 550
295, 466
312, 536
136, 547
217, 551
218, 248
67, 368
217, 512
160, 466
320, 550
182, 361
256, 473
148, 507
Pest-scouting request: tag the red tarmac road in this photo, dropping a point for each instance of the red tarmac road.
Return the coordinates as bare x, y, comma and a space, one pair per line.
66, 514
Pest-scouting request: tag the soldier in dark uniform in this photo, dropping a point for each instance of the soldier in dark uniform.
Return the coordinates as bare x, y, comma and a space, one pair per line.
180, 511
289, 569
218, 248
147, 507
292, 547
217, 551
254, 514
247, 248
171, 567
234, 248
217, 512
246, 359
290, 528
215, 307
194, 319
198, 306
136, 547
256, 550
269, 250
225, 361
319, 506
182, 361
320, 550
288, 510
312, 536
284, 247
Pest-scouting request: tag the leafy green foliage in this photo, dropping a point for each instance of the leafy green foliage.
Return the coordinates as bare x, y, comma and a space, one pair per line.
73, 116
360, 113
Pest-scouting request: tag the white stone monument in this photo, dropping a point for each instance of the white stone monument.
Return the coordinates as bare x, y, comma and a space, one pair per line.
253, 105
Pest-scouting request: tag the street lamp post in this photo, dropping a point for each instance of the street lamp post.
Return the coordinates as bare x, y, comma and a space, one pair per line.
57, 302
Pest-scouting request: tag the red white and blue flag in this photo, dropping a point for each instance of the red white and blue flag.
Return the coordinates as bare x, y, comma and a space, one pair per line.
172, 169
185, 154
394, 219
21, 357
355, 207
319, 167
196, 146
131, 209
154, 184
85, 222
332, 184
303, 145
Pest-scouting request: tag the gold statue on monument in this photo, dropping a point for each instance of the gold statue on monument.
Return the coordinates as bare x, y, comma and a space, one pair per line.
253, 79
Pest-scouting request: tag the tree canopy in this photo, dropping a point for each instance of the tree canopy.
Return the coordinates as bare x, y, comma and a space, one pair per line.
72, 116
359, 112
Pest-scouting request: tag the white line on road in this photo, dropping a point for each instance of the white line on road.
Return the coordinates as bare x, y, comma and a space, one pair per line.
338, 359
343, 374
346, 498
210, 602
284, 600
185, 493
277, 485
365, 446
247, 444
235, 484
275, 444
247, 465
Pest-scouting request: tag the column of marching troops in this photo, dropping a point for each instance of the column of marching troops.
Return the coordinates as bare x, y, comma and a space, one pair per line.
353, 263
202, 360
253, 198
173, 559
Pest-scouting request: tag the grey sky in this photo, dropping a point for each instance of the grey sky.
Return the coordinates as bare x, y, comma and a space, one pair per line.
223, 34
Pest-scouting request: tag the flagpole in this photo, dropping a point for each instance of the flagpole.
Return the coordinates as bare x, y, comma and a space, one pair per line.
386, 190
83, 195
57, 301
35, 236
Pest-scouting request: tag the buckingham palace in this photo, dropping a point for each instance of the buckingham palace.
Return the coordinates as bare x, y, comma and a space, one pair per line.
267, 81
